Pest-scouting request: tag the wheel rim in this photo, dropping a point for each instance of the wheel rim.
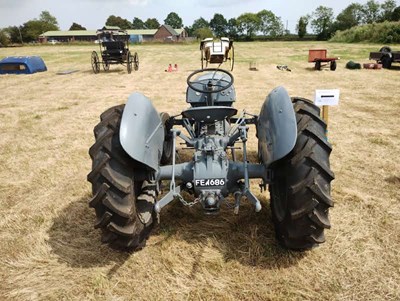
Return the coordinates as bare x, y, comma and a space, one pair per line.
129, 62
95, 62
168, 141
136, 62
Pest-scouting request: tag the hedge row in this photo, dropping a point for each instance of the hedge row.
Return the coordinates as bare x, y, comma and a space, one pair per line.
386, 32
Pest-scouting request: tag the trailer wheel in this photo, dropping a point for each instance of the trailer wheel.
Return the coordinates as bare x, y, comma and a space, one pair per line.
333, 65
385, 49
318, 65
123, 205
300, 191
386, 61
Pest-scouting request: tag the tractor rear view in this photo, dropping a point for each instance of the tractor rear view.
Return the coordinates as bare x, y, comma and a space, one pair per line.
135, 151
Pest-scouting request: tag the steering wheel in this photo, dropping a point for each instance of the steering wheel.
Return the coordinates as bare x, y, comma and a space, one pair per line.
208, 88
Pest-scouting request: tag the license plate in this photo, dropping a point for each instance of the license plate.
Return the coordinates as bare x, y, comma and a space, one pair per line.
209, 182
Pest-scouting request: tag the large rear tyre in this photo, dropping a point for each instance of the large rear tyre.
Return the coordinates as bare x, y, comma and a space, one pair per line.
124, 206
300, 192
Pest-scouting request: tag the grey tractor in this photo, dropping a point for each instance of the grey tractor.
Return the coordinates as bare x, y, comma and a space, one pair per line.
135, 153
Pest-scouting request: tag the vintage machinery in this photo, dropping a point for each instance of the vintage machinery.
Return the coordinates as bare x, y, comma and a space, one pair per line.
217, 52
114, 49
135, 151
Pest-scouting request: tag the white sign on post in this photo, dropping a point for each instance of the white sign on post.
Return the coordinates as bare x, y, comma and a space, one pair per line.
327, 97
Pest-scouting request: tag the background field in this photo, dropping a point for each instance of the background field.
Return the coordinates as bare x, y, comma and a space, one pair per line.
50, 251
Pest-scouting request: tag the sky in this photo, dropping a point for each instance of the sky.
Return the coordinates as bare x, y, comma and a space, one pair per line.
93, 14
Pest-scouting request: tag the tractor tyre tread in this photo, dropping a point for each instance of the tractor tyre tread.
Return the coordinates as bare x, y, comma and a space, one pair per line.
300, 193
115, 191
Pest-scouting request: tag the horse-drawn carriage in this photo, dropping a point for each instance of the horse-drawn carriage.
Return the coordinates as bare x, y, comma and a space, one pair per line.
217, 52
114, 49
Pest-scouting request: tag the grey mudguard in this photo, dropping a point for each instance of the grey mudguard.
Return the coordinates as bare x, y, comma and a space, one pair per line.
276, 127
142, 132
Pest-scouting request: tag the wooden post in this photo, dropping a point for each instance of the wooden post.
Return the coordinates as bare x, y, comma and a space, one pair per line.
325, 117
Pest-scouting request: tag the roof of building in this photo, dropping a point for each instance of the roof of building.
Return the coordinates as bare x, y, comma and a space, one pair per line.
179, 31
68, 33
82, 33
143, 32
170, 30
107, 27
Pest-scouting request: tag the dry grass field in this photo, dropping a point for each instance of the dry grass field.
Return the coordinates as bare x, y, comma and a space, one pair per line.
50, 251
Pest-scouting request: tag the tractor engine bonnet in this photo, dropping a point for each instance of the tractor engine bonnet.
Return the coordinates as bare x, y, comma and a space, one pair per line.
210, 172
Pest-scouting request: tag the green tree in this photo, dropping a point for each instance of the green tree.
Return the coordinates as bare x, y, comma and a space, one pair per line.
301, 26
202, 33
32, 29
46, 17
322, 22
152, 23
232, 28
270, 24
4, 38
118, 21
198, 23
349, 17
396, 14
387, 9
15, 34
248, 24
173, 20
371, 12
76, 26
138, 23
218, 25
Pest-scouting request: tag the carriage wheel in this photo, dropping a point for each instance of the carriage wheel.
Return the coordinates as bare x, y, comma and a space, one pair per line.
232, 57
95, 62
129, 62
106, 66
136, 61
